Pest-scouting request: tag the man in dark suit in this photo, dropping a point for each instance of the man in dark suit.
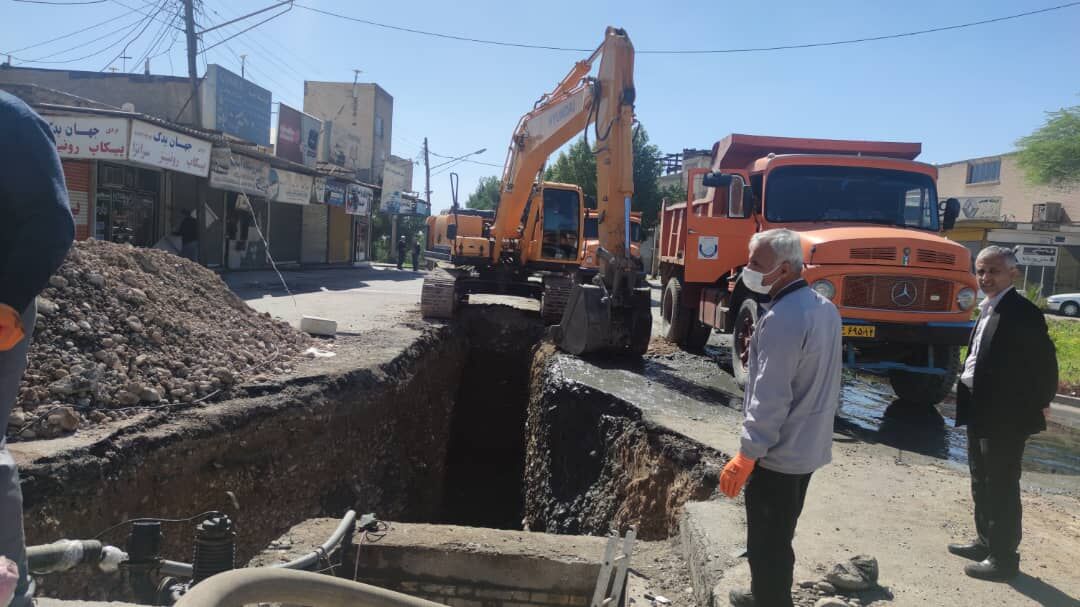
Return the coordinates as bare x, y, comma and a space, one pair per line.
1009, 378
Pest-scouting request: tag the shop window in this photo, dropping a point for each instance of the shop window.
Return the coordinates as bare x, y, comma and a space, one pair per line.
987, 171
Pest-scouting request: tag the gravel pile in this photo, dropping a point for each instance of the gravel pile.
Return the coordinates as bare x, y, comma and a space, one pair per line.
121, 329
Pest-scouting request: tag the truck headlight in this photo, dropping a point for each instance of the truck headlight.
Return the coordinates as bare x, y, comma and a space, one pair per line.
824, 288
965, 298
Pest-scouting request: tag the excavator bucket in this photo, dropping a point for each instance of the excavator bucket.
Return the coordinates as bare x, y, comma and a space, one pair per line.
592, 323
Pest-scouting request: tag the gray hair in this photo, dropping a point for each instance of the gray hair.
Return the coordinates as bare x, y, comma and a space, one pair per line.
784, 243
1009, 255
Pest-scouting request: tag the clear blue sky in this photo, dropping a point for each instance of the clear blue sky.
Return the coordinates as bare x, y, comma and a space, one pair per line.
962, 93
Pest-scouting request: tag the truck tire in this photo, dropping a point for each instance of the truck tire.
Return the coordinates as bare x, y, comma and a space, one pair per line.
673, 317
745, 321
924, 389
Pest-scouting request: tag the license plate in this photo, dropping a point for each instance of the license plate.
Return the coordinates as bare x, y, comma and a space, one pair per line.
859, 331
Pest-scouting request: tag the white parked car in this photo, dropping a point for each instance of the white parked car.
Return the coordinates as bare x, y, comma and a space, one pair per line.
1064, 303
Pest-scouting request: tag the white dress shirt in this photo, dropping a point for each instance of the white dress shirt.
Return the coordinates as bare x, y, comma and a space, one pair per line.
986, 309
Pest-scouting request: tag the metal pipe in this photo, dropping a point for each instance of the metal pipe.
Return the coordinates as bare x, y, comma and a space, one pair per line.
176, 569
312, 558
274, 585
62, 555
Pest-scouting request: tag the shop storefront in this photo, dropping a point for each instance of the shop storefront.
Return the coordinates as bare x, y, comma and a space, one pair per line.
339, 232
358, 205
77, 175
289, 194
244, 182
315, 225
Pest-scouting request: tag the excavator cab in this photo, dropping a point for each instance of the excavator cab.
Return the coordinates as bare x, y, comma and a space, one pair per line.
555, 220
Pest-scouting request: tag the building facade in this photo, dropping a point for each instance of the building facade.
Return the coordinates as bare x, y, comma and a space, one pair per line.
998, 205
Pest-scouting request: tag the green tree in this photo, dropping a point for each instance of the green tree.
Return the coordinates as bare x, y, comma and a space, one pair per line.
486, 195
1051, 155
577, 165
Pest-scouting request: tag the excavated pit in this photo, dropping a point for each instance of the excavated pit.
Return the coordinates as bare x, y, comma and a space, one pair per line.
470, 423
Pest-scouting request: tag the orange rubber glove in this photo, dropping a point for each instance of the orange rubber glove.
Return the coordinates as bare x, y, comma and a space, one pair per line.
735, 474
11, 329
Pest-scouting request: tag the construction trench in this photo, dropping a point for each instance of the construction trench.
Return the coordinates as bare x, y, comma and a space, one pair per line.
468, 423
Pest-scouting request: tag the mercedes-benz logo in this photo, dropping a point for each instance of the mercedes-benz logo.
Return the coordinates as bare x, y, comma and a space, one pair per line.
904, 293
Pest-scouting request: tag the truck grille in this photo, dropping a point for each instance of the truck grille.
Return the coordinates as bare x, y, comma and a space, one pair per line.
928, 256
881, 253
900, 293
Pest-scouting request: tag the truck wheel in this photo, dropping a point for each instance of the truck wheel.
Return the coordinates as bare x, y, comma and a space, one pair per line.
745, 322
675, 318
926, 389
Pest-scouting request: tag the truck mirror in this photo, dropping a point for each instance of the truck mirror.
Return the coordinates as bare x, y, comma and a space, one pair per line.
716, 180
737, 202
951, 208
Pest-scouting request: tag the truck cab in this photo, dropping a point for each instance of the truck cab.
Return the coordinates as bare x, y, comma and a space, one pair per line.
869, 219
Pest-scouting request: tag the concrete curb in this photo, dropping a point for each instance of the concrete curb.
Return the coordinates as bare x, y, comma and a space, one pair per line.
1068, 401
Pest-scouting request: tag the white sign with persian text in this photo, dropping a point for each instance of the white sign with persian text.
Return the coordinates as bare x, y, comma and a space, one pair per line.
1036, 255
163, 148
90, 137
237, 173
290, 187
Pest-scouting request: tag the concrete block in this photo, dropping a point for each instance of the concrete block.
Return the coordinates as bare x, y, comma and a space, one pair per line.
318, 326
491, 593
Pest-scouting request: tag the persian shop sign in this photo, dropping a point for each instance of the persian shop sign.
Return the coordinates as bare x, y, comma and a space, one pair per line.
163, 148
90, 137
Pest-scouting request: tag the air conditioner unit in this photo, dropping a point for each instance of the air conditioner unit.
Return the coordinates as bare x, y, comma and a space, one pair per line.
1046, 212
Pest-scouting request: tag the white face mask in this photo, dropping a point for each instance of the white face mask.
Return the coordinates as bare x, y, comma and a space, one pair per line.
753, 280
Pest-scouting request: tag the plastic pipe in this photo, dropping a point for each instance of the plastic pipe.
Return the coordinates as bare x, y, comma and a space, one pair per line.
62, 555
275, 585
312, 558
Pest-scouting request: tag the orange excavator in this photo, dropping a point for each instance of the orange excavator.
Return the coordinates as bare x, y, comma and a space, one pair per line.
533, 244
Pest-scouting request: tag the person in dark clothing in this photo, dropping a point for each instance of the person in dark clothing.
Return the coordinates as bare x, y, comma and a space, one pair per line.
35, 234
401, 246
1009, 378
416, 256
189, 236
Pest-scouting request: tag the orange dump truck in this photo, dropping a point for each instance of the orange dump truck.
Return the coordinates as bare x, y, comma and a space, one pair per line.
869, 219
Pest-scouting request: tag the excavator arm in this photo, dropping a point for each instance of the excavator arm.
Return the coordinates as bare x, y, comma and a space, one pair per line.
612, 314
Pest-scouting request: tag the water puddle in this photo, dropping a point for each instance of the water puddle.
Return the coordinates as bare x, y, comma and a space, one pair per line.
869, 411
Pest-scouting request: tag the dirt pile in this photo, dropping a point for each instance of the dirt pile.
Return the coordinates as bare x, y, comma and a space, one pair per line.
122, 328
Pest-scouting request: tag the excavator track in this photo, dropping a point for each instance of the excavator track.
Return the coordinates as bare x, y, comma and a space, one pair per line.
438, 297
553, 301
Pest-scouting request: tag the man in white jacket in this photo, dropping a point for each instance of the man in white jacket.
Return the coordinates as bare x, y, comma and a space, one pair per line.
792, 393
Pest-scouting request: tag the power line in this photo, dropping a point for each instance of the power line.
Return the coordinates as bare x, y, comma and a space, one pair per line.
159, 37
147, 4
150, 20
249, 41
62, 3
83, 45
697, 51
248, 29
108, 21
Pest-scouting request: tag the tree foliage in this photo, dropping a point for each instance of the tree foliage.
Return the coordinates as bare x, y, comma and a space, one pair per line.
486, 195
577, 165
1051, 155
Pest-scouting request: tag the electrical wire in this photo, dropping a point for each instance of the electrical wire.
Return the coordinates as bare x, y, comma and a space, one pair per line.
150, 20
781, 47
254, 40
158, 520
248, 29
62, 3
42, 59
159, 37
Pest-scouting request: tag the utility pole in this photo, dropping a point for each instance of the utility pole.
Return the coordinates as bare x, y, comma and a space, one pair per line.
427, 174
243, 62
124, 59
192, 63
